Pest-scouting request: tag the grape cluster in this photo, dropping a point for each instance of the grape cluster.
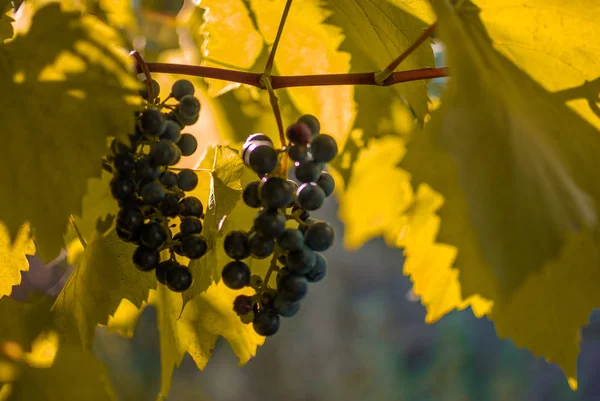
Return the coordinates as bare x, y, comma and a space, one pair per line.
283, 228
151, 194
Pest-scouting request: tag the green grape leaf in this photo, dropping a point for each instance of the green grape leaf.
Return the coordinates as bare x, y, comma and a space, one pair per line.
226, 168
104, 276
12, 257
520, 195
6, 28
381, 30
22, 322
68, 69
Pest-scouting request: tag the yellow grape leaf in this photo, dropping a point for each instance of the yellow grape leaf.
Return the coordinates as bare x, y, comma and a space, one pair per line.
12, 257
104, 276
6, 28
68, 69
309, 46
519, 193
381, 30
227, 22
559, 59
225, 193
375, 176
125, 318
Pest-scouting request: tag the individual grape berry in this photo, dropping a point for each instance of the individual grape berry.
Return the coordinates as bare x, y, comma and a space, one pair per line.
187, 179
300, 262
191, 206
154, 234
326, 182
122, 188
188, 144
162, 270
130, 219
236, 245
153, 193
299, 153
307, 223
145, 170
266, 322
190, 225
176, 156
260, 247
152, 121
124, 163
181, 88
299, 133
260, 157
310, 196
172, 131
312, 122
319, 270
127, 235
242, 305
319, 236
179, 279
250, 194
172, 116
270, 223
292, 287
177, 240
292, 188
168, 179
323, 148
236, 275
162, 152
188, 109
155, 88
258, 137
307, 172
145, 259
193, 246
267, 299
275, 193
286, 308
291, 240
169, 206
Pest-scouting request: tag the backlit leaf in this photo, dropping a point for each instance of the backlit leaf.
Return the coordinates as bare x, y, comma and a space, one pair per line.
6, 29
12, 257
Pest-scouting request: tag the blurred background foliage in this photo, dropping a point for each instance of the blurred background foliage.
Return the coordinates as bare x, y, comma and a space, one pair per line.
360, 334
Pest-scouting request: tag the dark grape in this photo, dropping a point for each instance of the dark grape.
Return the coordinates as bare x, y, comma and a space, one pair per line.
188, 108
291, 240
145, 259
193, 246
250, 194
266, 322
190, 225
323, 148
179, 279
299, 153
172, 116
326, 182
261, 158
178, 239
275, 193
168, 179
145, 170
299, 133
187, 179
117, 147
153, 193
122, 188
155, 88
236, 275
286, 308
311, 196
154, 234
312, 122
191, 206
242, 305
292, 187
258, 137
127, 235
188, 144
270, 223
124, 163
302, 261
319, 236
267, 299
307, 223
162, 152
181, 88
176, 156
152, 121
319, 270
169, 206
260, 247
163, 268
307, 172
292, 287
130, 219
236, 245
172, 131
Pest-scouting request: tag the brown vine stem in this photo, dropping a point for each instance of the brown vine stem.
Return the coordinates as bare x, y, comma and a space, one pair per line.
271, 59
141, 66
282, 81
79, 235
380, 77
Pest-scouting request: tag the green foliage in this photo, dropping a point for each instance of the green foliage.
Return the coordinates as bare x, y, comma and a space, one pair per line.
12, 257
6, 29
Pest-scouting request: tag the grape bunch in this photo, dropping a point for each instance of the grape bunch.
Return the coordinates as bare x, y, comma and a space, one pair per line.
151, 194
283, 228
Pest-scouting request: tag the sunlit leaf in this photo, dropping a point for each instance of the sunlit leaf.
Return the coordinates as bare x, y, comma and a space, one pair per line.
12, 257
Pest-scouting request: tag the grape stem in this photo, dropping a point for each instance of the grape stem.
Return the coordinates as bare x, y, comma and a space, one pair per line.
272, 267
141, 64
271, 59
79, 235
265, 82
